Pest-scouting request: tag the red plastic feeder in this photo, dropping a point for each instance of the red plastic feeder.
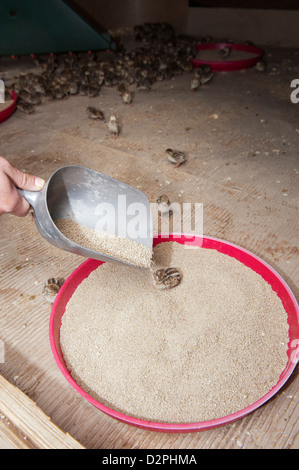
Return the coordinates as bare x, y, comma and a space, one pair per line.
248, 259
229, 65
5, 113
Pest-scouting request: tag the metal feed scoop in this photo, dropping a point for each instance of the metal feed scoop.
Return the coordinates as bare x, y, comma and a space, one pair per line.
91, 199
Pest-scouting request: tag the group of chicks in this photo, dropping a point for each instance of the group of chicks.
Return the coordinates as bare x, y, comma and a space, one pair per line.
162, 56
60, 77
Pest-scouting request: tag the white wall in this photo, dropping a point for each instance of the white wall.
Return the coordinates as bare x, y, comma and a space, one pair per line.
262, 27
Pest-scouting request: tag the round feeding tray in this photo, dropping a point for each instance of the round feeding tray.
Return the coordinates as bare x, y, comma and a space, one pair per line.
7, 111
253, 54
248, 259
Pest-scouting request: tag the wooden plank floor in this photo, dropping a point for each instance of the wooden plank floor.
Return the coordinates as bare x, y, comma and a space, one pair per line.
241, 134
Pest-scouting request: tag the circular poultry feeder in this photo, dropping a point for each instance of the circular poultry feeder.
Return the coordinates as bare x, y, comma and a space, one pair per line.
229, 65
7, 111
244, 256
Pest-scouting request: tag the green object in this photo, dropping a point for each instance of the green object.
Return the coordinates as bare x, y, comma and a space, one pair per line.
45, 26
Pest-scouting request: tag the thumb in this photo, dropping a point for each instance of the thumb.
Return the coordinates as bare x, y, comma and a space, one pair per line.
24, 180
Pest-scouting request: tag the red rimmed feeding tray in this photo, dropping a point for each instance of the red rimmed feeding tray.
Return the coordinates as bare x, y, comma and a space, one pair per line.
229, 65
248, 259
5, 113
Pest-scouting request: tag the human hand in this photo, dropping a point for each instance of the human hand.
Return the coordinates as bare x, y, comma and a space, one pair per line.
10, 179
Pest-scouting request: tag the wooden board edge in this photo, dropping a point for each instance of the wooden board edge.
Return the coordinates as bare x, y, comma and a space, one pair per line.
25, 425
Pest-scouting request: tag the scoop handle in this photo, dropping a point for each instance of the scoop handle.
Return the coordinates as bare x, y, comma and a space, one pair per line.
30, 196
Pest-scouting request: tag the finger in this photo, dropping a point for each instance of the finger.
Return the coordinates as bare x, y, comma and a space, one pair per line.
19, 206
11, 201
21, 179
